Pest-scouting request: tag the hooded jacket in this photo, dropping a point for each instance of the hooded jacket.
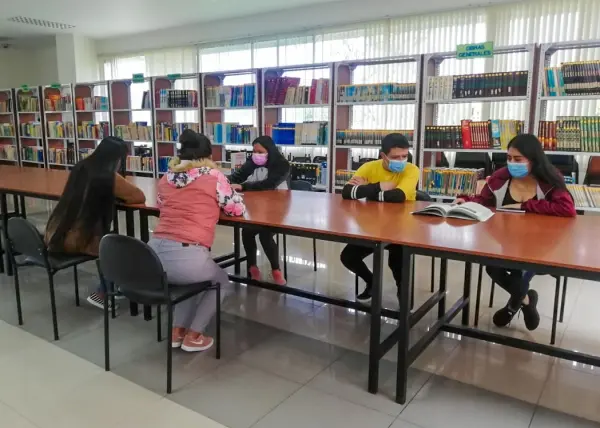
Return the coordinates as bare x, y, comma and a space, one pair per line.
271, 176
190, 196
550, 200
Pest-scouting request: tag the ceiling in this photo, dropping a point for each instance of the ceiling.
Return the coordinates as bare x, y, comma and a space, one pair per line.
109, 18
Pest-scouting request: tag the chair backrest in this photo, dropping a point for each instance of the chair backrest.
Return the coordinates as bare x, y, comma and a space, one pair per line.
300, 185
423, 196
131, 265
25, 238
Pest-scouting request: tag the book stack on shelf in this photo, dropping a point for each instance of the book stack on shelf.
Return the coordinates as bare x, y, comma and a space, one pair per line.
309, 172
230, 96
572, 78
584, 196
58, 103
287, 91
97, 103
342, 176
8, 152
138, 131
571, 134
5, 106
93, 131
167, 132
485, 85
231, 133
451, 182
369, 137
32, 154
28, 103
31, 129
163, 163
477, 135
57, 129
141, 161
62, 156
376, 93
176, 98
299, 134
7, 130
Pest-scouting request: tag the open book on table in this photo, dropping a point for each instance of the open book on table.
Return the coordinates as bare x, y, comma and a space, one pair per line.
466, 211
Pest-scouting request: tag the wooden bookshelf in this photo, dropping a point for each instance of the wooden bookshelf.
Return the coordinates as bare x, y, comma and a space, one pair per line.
9, 148
59, 126
92, 116
30, 126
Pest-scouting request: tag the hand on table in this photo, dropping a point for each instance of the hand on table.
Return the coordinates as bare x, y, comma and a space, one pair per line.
513, 206
358, 181
236, 187
387, 185
459, 201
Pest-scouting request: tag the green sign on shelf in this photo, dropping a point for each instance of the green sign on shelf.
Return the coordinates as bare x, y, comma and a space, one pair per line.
137, 78
173, 76
25, 87
475, 50
55, 86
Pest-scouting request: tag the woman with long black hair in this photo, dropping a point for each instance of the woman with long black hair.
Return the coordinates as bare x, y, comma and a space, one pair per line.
532, 184
85, 210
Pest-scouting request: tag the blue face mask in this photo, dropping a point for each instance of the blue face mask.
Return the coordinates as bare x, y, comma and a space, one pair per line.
518, 169
396, 165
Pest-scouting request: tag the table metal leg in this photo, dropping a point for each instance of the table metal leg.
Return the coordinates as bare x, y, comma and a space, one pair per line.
236, 250
467, 294
4, 238
443, 275
145, 237
130, 231
22, 206
404, 330
375, 334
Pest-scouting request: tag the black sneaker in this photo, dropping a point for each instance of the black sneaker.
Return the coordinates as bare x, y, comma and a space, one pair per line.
504, 316
97, 300
365, 295
531, 316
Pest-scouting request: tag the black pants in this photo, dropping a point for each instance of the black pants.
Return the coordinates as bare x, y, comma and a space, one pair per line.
511, 280
268, 244
352, 258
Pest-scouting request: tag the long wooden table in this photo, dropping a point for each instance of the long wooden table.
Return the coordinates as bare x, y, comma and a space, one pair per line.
543, 244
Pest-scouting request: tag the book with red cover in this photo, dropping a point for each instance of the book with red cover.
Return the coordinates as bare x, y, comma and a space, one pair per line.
313, 92
467, 136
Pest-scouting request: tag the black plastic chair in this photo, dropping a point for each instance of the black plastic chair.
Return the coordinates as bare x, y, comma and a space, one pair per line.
24, 239
139, 274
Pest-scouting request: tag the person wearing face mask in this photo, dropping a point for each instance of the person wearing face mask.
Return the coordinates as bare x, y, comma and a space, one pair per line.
389, 179
529, 183
266, 169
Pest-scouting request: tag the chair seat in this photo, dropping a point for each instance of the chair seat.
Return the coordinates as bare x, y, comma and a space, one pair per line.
177, 293
57, 261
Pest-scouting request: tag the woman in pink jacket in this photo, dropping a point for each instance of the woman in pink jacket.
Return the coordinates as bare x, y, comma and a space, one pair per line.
529, 183
191, 196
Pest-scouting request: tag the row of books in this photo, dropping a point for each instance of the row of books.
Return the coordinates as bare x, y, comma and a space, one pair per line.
571, 134
138, 131
91, 103
58, 129
377, 92
7, 130
176, 98
93, 131
490, 134
299, 134
310, 172
84, 153
171, 131
231, 96
572, 78
230, 133
368, 137
31, 129
32, 153
287, 91
58, 103
8, 152
585, 196
62, 156
5, 106
342, 176
485, 85
451, 181
163, 163
140, 163
28, 103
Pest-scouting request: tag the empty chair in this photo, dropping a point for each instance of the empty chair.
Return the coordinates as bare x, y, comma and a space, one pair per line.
474, 160
24, 239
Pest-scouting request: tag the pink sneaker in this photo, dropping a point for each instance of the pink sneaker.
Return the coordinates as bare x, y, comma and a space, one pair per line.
177, 337
254, 273
196, 342
278, 277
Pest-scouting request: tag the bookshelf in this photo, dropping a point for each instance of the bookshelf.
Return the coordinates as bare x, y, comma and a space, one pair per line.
459, 113
30, 130
296, 113
59, 124
371, 99
176, 108
92, 116
230, 109
9, 149
131, 106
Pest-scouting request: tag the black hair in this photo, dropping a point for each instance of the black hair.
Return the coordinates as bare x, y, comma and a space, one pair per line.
88, 200
269, 145
194, 145
541, 168
393, 141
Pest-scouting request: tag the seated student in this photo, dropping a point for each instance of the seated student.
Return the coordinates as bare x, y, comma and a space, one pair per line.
191, 195
530, 183
84, 212
389, 179
267, 169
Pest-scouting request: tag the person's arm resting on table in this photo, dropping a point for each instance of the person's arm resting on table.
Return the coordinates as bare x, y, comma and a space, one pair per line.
358, 187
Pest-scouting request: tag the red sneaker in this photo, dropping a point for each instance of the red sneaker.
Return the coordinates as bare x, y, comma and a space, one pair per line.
278, 277
254, 273
177, 337
196, 342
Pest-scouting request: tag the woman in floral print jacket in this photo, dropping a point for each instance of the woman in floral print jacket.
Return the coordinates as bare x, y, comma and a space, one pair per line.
191, 197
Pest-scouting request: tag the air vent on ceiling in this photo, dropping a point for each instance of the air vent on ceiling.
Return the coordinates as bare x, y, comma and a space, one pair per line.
41, 23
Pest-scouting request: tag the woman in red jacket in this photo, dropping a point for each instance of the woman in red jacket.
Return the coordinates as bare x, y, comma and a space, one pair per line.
529, 183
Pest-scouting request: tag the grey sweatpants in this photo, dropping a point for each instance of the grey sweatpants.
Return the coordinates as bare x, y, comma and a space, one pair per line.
186, 265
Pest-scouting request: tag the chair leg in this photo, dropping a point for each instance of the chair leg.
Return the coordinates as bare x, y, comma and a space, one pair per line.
53, 305
159, 325
412, 282
478, 298
106, 335
563, 300
555, 311
218, 321
433, 274
315, 254
492, 294
76, 280
169, 348
113, 309
285, 256
355, 285
18, 294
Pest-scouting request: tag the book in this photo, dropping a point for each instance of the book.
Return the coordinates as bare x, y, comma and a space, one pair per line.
57, 102
176, 98
571, 134
57, 129
451, 182
489, 134
91, 103
484, 85
230, 96
8, 152
230, 133
466, 211
572, 78
299, 134
376, 92
7, 130
369, 137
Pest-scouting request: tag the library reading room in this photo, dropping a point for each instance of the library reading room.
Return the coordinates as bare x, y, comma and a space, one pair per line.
324, 214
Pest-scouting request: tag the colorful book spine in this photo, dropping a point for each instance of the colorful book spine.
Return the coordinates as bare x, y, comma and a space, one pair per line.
58, 103
451, 181
32, 153
485, 85
7, 130
5, 106
171, 131
176, 98
369, 137
571, 134
138, 131
342, 176
481, 135
230, 133
230, 96
57, 129
31, 129
97, 103
376, 92
572, 78
8, 152
299, 134
62, 156
28, 103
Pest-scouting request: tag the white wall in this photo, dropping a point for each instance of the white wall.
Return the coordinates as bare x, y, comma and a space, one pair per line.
24, 66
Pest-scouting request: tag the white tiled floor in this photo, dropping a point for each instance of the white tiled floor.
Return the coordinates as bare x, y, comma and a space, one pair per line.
290, 362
